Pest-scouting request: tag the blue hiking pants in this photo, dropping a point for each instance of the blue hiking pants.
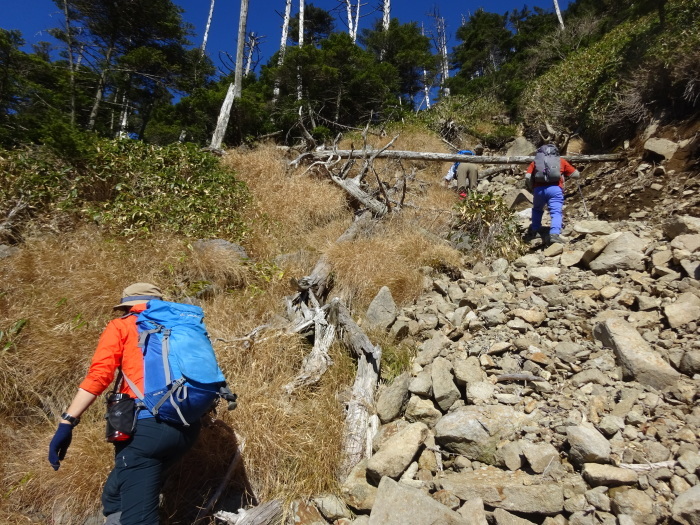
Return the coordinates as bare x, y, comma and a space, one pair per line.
133, 486
553, 197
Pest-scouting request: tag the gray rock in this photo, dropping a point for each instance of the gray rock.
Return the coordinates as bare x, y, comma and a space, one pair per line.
475, 431
685, 309
587, 445
356, 490
397, 504
510, 455
445, 391
468, 371
540, 456
512, 491
636, 357
598, 498
381, 312
543, 274
610, 425
332, 507
520, 147
7, 251
607, 475
397, 453
423, 411
473, 512
686, 508
635, 504
663, 147
625, 252
431, 348
503, 517
422, 384
393, 398
594, 227
679, 225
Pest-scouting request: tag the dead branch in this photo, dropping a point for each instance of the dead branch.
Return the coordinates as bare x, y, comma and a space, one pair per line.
643, 467
268, 513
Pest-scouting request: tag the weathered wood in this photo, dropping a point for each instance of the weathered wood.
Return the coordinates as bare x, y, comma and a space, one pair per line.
268, 513
454, 157
317, 362
357, 420
643, 467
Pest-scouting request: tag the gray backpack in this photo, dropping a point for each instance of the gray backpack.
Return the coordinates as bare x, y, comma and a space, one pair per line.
547, 164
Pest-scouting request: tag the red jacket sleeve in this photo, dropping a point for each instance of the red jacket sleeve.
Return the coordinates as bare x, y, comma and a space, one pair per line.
107, 358
566, 168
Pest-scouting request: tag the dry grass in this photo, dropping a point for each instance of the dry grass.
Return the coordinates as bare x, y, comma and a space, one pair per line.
64, 287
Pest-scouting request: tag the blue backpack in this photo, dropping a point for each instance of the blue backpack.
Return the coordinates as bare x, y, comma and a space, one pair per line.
182, 379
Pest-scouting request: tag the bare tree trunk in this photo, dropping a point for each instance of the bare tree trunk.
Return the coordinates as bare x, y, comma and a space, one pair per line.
386, 15
353, 19
71, 65
238, 76
556, 8
206, 30
283, 49
100, 90
252, 43
222, 122
426, 87
123, 118
301, 44
441, 45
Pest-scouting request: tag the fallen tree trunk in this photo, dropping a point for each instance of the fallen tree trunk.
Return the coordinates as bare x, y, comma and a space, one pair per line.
357, 420
453, 157
268, 513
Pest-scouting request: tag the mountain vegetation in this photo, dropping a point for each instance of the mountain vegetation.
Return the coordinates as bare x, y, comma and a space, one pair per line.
107, 179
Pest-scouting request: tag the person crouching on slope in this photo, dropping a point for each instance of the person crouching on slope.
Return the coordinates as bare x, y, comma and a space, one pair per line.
131, 492
467, 175
546, 177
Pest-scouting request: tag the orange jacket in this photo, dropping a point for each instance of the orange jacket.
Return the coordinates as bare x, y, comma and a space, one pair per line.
118, 346
566, 171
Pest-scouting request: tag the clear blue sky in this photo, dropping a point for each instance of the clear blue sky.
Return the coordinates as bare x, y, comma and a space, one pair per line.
34, 17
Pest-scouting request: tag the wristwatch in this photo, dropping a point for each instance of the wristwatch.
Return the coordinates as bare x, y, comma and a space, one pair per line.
72, 420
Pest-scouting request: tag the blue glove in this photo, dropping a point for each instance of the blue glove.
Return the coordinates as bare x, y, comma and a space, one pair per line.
59, 444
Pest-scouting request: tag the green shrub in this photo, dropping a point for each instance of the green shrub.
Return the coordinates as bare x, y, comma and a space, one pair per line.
485, 226
127, 186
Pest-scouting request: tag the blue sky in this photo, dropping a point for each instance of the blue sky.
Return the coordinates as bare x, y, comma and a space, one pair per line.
34, 17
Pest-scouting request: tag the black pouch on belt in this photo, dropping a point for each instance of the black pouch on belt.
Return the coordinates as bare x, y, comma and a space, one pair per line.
121, 415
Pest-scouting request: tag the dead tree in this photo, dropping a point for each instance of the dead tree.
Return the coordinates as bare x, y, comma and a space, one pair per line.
238, 77
283, 49
207, 27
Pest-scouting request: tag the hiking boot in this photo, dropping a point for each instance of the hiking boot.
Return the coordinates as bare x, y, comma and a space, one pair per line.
530, 235
555, 237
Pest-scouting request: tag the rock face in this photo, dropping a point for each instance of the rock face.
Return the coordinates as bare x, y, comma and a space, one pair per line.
560, 388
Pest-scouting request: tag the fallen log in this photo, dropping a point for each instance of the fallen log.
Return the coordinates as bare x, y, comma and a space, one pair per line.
357, 420
454, 157
268, 513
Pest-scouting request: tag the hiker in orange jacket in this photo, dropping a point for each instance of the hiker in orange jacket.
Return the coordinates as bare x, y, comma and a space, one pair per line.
550, 194
131, 492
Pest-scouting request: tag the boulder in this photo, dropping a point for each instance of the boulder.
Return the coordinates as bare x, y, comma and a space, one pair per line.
636, 357
393, 398
685, 309
626, 252
686, 508
381, 312
397, 504
475, 431
512, 491
397, 453
587, 445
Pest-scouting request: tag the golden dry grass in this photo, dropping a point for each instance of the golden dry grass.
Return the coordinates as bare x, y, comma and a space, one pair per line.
64, 286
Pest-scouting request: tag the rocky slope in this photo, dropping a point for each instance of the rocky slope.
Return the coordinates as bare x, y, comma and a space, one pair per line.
560, 388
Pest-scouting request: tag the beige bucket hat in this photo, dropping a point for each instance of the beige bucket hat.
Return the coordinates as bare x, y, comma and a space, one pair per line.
139, 293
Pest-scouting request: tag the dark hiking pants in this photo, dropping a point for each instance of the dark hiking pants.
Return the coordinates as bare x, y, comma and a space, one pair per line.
133, 486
